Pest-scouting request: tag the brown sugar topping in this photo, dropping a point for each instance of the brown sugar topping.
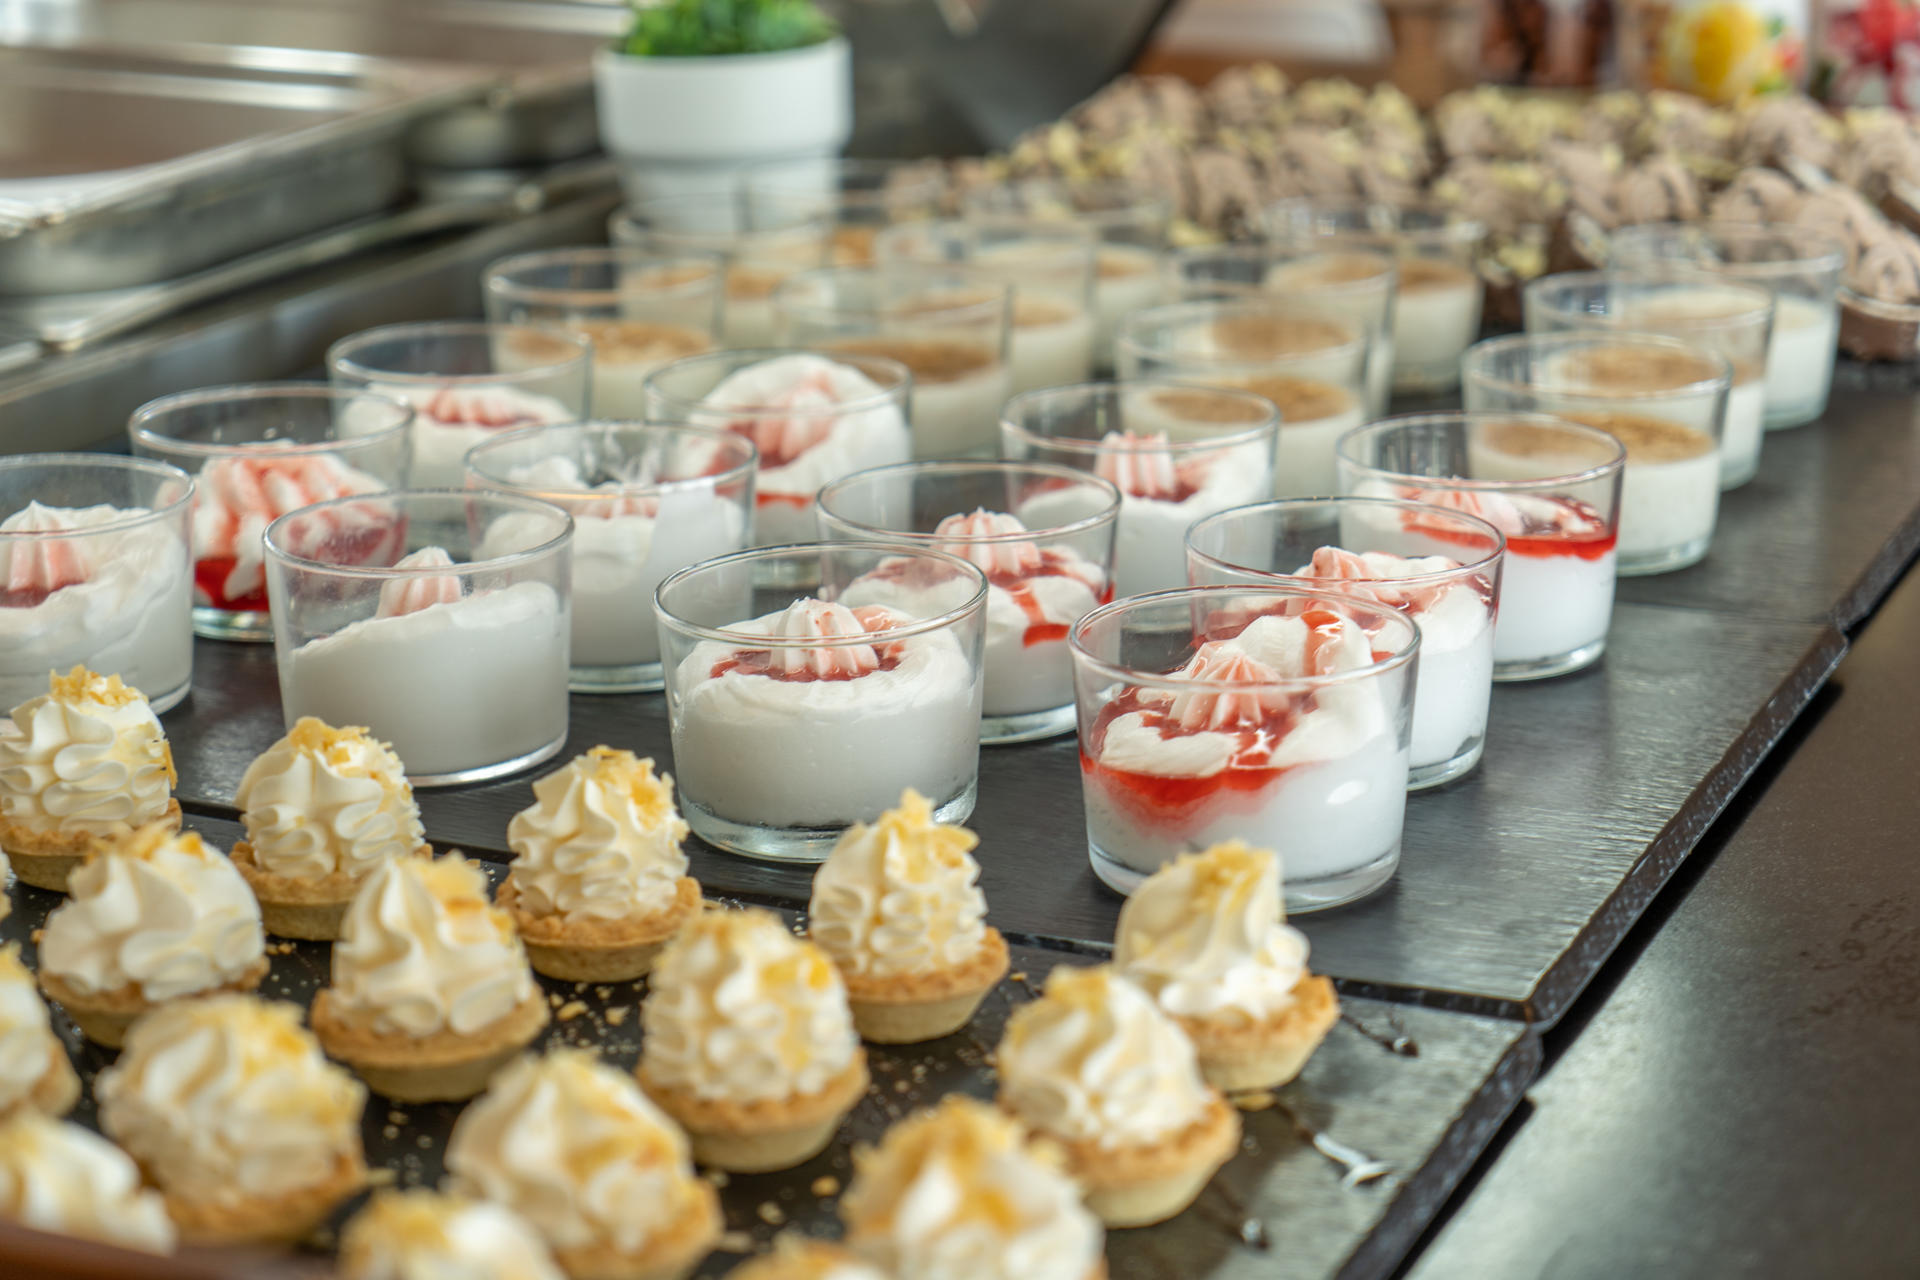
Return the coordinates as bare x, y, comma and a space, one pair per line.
1300, 399
1649, 439
1040, 313
634, 341
1420, 275
1636, 368
929, 359
1120, 266
853, 246
1332, 268
753, 282
1201, 406
1530, 440
1258, 337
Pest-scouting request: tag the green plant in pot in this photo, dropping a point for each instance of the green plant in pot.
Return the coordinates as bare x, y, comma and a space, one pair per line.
714, 28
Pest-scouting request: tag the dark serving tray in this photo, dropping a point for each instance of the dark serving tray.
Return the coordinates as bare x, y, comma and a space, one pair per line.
1419, 1089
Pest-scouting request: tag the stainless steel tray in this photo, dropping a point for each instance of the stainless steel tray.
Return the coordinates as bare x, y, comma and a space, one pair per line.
119, 169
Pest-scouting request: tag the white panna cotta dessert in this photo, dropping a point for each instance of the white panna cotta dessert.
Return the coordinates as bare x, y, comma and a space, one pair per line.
1052, 341
1669, 492
1320, 776
1126, 279
625, 352
1806, 334
117, 596
959, 385
454, 679
451, 419
1682, 311
1436, 317
1355, 286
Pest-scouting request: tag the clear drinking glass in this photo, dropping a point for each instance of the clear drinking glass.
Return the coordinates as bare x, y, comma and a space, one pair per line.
795, 715
1552, 488
1312, 366
639, 310
646, 500
1725, 316
1382, 548
257, 452
950, 329
439, 620
1664, 399
95, 568
1800, 266
763, 242
1175, 451
1436, 310
1042, 534
1252, 713
813, 415
858, 197
465, 381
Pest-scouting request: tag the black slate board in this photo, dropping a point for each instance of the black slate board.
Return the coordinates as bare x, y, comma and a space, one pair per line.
1515, 884
1419, 1089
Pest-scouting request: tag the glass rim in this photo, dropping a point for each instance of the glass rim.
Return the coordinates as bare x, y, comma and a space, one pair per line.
723, 635
1720, 381
996, 306
1076, 637
341, 361
1268, 426
900, 391
1107, 515
532, 506
1168, 314
1830, 257
1386, 279
1469, 417
625, 225
1069, 249
780, 178
1464, 568
1138, 206
746, 466
69, 461
1679, 273
1450, 227
141, 432
497, 280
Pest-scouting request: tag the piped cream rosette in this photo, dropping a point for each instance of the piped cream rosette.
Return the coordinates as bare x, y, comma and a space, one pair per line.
431, 1235
60, 1178
797, 1258
35, 1073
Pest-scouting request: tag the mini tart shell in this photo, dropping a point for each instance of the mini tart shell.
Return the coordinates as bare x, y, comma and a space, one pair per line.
291, 907
1138, 1186
104, 1016
598, 950
443, 1067
55, 1092
765, 1135
910, 1008
672, 1255
282, 1219
1236, 1056
47, 859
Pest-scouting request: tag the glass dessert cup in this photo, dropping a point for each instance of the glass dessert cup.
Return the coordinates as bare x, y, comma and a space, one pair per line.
1436, 309
257, 452
1042, 534
639, 310
1732, 319
763, 242
950, 330
1802, 269
452, 373
794, 715
646, 500
812, 422
1311, 365
1193, 732
1665, 400
1379, 548
96, 569
1552, 489
858, 197
438, 619
1050, 267
1175, 451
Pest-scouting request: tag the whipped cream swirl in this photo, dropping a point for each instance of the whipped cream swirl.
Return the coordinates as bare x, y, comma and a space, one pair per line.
742, 1010
428, 1235
1141, 466
229, 1098
161, 913
601, 840
1205, 936
237, 497
422, 951
412, 594
87, 756
824, 433
27, 1042
573, 1146
795, 1258
900, 896
46, 565
58, 1177
1094, 1060
323, 801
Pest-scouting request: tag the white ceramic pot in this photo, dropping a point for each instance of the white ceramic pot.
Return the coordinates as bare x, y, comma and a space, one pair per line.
686, 126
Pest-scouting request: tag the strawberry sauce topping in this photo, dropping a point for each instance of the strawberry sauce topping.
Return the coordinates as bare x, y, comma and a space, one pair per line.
810, 401
1546, 526
1144, 467
38, 567
410, 595
1012, 564
820, 619
462, 407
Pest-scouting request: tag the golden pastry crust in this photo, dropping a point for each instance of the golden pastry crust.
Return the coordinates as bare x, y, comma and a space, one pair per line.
282, 1219
104, 1016
982, 970
291, 907
55, 1092
1136, 1186
595, 950
45, 859
766, 1134
443, 1067
666, 1257
1236, 1055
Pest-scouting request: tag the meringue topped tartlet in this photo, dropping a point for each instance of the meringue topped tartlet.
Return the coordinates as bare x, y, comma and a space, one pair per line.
1094, 1065
155, 917
957, 1193
599, 881
229, 1107
897, 907
749, 1042
34, 1070
1206, 938
434, 1235
83, 763
574, 1147
323, 807
60, 1178
431, 992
